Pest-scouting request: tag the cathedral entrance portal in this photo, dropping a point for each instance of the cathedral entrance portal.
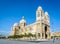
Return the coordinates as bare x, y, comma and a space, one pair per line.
45, 32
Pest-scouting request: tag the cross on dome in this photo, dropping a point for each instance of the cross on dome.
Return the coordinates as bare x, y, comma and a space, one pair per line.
22, 17
22, 20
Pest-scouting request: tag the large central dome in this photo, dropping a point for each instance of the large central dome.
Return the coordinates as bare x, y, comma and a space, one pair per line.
22, 21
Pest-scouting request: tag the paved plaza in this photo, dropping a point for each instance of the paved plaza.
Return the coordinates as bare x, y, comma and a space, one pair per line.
24, 42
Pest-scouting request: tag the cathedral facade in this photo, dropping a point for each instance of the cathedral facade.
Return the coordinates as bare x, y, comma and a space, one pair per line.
41, 28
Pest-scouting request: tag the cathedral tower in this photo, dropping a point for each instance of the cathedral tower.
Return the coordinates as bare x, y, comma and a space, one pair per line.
39, 13
42, 23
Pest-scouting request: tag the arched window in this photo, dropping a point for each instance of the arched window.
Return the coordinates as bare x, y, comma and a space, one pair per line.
38, 14
39, 34
19, 27
42, 34
24, 24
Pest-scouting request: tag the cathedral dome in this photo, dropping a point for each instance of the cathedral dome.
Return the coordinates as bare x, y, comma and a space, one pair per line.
16, 24
46, 13
22, 21
39, 8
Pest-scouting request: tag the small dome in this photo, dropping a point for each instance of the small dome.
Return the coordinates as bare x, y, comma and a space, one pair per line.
22, 21
39, 8
16, 24
46, 13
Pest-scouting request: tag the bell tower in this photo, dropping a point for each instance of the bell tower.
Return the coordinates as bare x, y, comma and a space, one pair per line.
38, 22
42, 24
39, 13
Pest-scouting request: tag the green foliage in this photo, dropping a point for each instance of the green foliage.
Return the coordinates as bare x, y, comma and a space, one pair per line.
16, 36
29, 35
55, 37
21, 35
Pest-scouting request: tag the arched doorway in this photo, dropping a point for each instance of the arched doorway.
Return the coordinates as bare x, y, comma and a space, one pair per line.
45, 32
38, 35
45, 36
45, 28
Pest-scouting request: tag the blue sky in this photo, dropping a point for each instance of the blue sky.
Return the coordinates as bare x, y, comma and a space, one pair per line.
11, 11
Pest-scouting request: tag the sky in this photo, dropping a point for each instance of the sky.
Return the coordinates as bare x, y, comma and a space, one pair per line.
11, 11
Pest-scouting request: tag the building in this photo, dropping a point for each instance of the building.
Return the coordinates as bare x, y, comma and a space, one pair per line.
41, 28
57, 34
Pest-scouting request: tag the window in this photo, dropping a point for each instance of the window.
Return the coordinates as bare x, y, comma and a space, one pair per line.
19, 27
42, 34
38, 14
24, 24
39, 34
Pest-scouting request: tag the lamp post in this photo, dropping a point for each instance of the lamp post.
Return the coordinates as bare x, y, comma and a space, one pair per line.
53, 33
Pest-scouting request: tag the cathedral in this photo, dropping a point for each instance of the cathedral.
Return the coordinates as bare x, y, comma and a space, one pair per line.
41, 27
